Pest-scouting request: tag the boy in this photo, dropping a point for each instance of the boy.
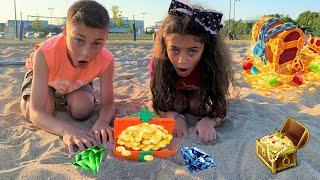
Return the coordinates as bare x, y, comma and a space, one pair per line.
68, 63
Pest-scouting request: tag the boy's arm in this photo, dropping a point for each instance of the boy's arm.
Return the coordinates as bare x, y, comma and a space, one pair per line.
101, 128
39, 97
38, 109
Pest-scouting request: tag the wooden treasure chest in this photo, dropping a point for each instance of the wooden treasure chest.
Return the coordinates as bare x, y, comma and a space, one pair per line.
282, 43
278, 151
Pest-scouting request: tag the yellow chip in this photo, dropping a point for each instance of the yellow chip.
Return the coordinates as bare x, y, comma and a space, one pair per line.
120, 142
146, 148
148, 157
126, 153
155, 148
136, 148
120, 148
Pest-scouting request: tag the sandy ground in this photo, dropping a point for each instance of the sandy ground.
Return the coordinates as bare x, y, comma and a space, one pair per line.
29, 153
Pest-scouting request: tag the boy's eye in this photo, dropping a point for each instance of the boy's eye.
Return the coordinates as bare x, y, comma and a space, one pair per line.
96, 44
79, 41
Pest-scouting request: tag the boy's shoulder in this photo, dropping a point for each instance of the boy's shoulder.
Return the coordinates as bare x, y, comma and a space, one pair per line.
54, 42
106, 53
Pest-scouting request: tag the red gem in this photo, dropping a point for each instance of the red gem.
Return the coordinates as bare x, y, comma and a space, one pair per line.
297, 78
318, 42
247, 64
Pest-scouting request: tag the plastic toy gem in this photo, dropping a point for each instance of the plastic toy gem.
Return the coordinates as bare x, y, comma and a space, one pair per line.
254, 70
196, 159
247, 64
273, 81
297, 78
314, 66
90, 159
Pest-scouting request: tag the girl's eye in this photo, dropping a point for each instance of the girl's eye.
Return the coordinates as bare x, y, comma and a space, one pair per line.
192, 52
175, 51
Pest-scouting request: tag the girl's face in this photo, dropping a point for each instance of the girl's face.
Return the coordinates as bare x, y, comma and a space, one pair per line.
84, 43
184, 52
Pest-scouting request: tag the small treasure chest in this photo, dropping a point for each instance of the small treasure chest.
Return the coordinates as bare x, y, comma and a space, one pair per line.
278, 151
136, 139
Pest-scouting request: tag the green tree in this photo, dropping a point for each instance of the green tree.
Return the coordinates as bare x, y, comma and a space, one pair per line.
36, 25
282, 17
311, 21
117, 17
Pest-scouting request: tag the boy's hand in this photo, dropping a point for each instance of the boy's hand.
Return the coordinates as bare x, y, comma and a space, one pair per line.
180, 128
205, 128
102, 132
80, 138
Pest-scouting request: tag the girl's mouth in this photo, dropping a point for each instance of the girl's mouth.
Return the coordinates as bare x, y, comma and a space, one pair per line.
182, 69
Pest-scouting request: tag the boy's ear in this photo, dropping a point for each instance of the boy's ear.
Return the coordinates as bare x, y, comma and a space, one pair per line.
64, 30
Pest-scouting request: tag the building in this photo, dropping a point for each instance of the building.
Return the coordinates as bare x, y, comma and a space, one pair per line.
2, 25
26, 25
127, 26
154, 28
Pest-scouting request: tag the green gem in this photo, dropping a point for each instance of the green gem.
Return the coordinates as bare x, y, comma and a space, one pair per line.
314, 66
90, 159
273, 81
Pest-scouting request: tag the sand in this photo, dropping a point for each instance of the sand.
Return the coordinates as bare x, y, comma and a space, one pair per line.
27, 152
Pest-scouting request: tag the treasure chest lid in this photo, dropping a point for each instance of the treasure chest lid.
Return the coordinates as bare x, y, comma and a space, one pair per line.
296, 131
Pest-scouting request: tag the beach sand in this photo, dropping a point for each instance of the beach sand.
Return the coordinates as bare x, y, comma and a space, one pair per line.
29, 153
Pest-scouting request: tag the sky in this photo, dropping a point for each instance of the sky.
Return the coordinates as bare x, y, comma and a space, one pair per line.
156, 10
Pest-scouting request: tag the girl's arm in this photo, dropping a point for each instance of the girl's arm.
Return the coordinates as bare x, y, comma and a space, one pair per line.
101, 128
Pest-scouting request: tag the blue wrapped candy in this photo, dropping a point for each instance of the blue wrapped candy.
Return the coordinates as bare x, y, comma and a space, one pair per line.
196, 159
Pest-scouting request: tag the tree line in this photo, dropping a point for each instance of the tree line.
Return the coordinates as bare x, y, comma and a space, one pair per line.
310, 21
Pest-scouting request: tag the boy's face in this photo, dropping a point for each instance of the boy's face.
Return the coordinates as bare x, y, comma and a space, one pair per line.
84, 43
184, 52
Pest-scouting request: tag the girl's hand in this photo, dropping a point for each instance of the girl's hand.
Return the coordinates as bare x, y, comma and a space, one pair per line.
180, 127
102, 132
205, 128
80, 138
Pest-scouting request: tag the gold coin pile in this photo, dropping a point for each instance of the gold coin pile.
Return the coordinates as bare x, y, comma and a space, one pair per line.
143, 137
277, 142
285, 90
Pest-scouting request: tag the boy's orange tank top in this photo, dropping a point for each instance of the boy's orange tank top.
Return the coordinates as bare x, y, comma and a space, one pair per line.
62, 75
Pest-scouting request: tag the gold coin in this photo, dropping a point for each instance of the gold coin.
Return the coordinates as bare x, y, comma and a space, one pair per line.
148, 157
313, 90
136, 148
126, 153
120, 149
120, 142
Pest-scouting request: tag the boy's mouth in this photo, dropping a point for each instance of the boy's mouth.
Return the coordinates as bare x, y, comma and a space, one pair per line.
82, 63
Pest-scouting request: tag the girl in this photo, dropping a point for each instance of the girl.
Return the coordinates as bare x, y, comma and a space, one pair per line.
191, 70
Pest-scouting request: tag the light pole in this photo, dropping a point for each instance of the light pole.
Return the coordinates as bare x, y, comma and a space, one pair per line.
51, 9
143, 14
15, 18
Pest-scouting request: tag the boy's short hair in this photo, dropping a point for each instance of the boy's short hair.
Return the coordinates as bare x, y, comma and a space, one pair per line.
91, 13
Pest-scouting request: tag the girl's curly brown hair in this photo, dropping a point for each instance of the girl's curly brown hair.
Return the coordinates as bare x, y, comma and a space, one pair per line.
215, 68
